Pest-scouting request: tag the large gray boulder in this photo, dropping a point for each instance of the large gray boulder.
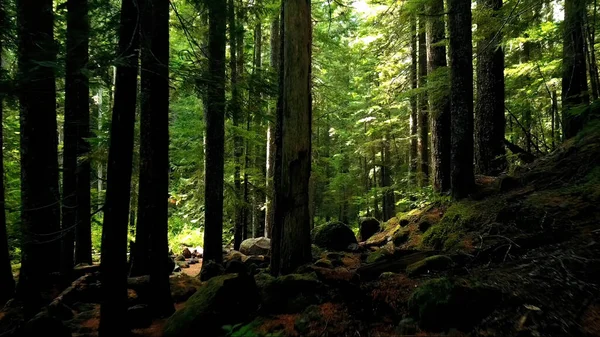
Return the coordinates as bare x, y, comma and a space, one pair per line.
256, 246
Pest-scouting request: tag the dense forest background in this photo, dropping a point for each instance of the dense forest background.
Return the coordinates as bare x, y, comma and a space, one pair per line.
362, 95
256, 118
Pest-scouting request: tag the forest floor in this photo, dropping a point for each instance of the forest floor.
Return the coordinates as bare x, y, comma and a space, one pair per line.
521, 257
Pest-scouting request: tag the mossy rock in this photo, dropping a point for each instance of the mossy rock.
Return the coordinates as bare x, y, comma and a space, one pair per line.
443, 304
368, 227
401, 237
334, 236
289, 293
222, 300
432, 263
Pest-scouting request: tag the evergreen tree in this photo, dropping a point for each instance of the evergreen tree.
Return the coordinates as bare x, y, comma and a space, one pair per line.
291, 234
113, 309
215, 133
489, 110
574, 79
40, 197
439, 103
462, 179
423, 117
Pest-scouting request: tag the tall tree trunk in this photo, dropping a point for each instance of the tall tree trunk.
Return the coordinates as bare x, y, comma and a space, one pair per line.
386, 181
589, 41
293, 159
76, 165
154, 151
574, 79
489, 110
423, 118
461, 97
40, 197
439, 102
113, 309
256, 98
7, 283
414, 110
270, 192
238, 141
555, 117
215, 133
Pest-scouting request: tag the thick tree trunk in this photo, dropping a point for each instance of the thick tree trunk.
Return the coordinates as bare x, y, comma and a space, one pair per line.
461, 97
40, 197
293, 159
270, 192
7, 283
423, 118
574, 80
154, 151
414, 110
439, 102
113, 309
490, 123
236, 113
215, 133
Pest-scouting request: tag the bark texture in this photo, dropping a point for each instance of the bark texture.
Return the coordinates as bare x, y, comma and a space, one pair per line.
461, 97
414, 111
489, 110
439, 100
293, 159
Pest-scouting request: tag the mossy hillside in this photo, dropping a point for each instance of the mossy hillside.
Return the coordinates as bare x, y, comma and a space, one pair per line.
451, 232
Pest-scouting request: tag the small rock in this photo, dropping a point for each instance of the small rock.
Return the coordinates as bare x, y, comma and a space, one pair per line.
180, 258
234, 255
210, 269
353, 247
198, 252
256, 246
193, 260
186, 253
183, 264
368, 228
139, 316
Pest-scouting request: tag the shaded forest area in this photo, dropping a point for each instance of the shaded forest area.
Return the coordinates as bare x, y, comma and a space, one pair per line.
299, 168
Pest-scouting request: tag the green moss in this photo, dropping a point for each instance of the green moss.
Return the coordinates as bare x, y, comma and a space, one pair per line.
459, 218
377, 256
432, 263
223, 299
290, 293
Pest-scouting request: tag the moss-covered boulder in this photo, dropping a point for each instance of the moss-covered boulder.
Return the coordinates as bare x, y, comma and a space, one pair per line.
324, 263
443, 304
256, 246
368, 228
430, 264
334, 236
378, 255
223, 300
290, 293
